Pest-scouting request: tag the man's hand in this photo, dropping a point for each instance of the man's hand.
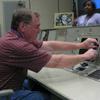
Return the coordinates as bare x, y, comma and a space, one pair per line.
91, 54
90, 43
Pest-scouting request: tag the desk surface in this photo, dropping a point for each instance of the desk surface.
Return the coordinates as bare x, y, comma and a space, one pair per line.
67, 84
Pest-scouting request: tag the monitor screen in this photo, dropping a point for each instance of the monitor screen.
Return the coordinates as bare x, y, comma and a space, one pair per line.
97, 2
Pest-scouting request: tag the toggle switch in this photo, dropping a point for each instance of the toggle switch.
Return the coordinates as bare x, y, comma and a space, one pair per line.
81, 67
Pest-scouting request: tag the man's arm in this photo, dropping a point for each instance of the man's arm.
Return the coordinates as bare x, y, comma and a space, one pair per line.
61, 60
61, 45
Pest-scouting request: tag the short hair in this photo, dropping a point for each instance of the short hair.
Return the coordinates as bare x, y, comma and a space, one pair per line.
92, 3
22, 15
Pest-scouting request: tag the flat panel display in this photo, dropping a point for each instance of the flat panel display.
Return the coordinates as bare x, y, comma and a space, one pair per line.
97, 2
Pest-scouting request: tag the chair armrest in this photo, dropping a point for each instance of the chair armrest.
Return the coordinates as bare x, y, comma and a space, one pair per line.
6, 92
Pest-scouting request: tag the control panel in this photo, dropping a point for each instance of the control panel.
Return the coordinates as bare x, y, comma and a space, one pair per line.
90, 68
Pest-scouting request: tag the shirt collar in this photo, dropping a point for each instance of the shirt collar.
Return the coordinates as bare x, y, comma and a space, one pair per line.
17, 33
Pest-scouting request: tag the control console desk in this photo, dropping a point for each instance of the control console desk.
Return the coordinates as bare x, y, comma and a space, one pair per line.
67, 85
80, 82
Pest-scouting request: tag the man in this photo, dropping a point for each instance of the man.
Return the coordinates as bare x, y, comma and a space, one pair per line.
20, 51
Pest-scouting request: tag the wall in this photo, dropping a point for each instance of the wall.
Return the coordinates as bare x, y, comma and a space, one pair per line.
6, 9
46, 8
65, 5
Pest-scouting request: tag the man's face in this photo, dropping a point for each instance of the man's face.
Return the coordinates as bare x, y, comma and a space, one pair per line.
33, 28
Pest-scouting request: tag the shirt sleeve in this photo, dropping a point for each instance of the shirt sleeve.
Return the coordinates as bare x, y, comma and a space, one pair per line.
29, 56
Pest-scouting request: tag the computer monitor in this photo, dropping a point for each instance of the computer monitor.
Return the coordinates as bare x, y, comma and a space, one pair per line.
97, 2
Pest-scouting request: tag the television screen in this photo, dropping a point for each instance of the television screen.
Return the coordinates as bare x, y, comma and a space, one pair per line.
97, 2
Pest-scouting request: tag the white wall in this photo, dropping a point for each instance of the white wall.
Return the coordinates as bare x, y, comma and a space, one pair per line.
41, 6
6, 9
47, 9
65, 5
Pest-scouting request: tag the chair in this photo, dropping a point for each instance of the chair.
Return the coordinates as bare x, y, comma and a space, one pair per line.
6, 93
